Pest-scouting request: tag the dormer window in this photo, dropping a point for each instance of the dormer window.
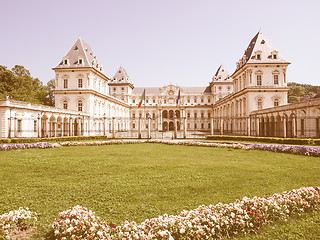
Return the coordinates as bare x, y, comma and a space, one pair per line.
66, 61
274, 54
258, 55
119, 71
80, 60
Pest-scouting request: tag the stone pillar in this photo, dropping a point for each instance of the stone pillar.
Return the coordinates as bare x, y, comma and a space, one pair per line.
284, 127
15, 127
39, 126
221, 126
211, 126
55, 128
160, 119
139, 128
184, 127
294, 131
113, 128
9, 132
104, 125
175, 127
258, 127
70, 127
149, 127
249, 126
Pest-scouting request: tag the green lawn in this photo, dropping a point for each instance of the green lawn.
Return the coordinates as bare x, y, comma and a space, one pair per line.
142, 181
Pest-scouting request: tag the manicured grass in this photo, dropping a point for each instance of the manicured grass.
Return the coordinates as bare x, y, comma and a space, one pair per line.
142, 181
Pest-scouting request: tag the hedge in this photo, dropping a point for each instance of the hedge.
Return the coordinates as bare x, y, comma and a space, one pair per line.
295, 141
51, 139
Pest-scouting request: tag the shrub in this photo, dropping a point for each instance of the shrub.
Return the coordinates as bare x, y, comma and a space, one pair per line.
16, 220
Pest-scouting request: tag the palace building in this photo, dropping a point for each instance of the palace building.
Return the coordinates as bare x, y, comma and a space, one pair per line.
251, 101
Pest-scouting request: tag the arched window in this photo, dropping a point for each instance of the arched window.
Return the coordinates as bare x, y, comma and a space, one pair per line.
65, 104
80, 106
276, 102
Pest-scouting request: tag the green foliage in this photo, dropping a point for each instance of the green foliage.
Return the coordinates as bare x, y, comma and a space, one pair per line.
293, 99
294, 141
18, 84
136, 182
52, 139
298, 90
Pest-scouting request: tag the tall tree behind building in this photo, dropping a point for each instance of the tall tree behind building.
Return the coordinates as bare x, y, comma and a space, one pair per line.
18, 84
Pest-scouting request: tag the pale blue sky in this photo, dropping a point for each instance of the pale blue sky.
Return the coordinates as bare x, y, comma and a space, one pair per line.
160, 42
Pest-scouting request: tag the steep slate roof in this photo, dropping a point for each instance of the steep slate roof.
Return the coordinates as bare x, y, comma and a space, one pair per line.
221, 74
121, 76
261, 43
157, 90
81, 49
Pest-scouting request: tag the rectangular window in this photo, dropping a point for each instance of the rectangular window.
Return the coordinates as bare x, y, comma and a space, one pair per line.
259, 80
133, 115
276, 79
133, 101
202, 115
188, 115
209, 114
153, 115
65, 83
154, 101
35, 125
195, 126
80, 83
133, 125
202, 125
209, 100
195, 115
80, 106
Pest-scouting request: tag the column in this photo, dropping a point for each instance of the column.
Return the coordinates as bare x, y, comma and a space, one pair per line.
257, 127
39, 126
113, 128
211, 126
15, 127
294, 131
149, 127
221, 126
284, 127
70, 127
184, 127
139, 128
104, 125
175, 127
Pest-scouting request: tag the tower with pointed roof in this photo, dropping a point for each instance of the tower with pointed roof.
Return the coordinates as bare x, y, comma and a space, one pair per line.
120, 86
259, 82
82, 86
261, 72
221, 84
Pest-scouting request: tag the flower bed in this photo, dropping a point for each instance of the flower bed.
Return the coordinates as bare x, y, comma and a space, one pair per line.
16, 220
205, 222
6, 147
298, 150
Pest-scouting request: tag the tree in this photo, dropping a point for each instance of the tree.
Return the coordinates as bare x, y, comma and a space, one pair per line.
293, 99
18, 84
297, 91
